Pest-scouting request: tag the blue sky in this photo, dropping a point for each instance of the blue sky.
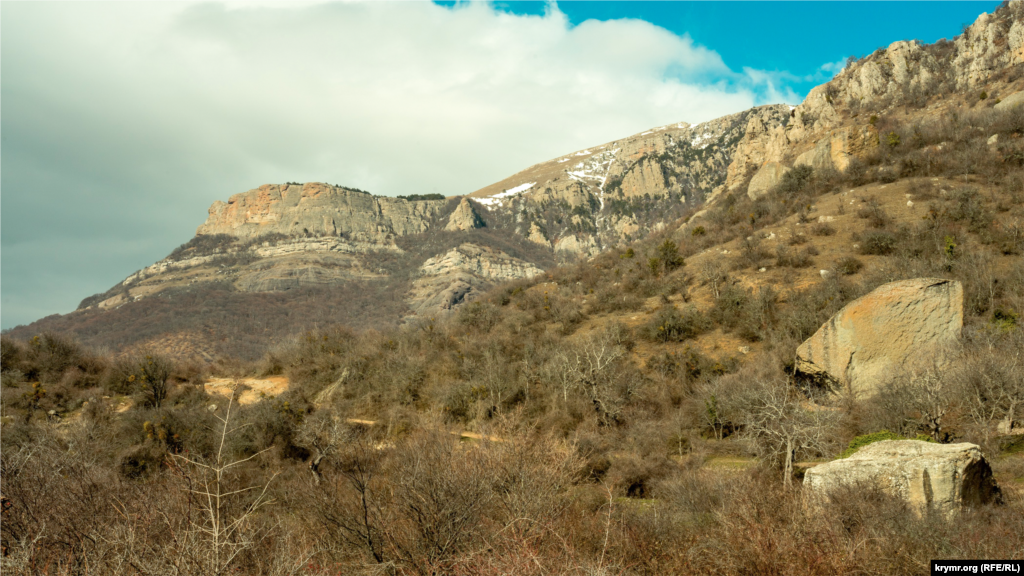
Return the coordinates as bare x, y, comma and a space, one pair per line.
130, 119
786, 36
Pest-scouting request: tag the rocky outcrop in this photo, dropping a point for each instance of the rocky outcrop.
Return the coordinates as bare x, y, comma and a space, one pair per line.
319, 210
830, 126
766, 178
758, 145
989, 45
819, 158
581, 200
900, 325
582, 244
464, 217
480, 261
455, 277
1010, 102
927, 476
645, 177
537, 235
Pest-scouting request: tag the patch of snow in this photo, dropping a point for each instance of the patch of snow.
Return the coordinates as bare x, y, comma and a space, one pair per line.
646, 133
516, 190
583, 153
563, 160
496, 199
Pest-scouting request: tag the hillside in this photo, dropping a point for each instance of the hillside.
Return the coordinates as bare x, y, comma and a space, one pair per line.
642, 410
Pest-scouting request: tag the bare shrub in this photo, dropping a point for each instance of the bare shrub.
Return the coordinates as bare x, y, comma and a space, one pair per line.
669, 325
849, 265
878, 243
823, 229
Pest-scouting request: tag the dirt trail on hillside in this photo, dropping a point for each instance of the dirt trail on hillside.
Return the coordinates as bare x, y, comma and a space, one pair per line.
255, 389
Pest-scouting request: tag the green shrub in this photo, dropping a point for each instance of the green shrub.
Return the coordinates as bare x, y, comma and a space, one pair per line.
862, 441
1004, 318
420, 197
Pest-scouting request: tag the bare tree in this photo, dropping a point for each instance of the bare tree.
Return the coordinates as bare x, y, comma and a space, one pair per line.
588, 366
322, 433
915, 401
352, 502
712, 272
784, 426
225, 524
990, 383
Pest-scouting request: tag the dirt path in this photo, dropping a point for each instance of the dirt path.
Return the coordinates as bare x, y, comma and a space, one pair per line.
463, 434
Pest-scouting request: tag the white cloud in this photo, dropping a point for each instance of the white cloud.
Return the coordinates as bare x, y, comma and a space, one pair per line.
142, 114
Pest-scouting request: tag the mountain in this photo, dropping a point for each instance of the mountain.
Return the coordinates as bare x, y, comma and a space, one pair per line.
280, 259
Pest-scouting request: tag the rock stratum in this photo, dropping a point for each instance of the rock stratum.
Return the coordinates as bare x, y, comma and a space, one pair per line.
283, 258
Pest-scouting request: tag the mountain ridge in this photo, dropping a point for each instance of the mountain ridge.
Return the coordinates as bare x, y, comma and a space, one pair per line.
280, 238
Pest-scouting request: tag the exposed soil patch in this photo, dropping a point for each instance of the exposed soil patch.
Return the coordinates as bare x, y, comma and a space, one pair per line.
253, 389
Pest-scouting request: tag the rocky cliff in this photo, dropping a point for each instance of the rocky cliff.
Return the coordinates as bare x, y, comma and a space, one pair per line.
319, 210
837, 121
290, 236
593, 199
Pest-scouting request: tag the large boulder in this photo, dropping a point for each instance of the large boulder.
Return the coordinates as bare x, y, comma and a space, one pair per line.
903, 325
928, 476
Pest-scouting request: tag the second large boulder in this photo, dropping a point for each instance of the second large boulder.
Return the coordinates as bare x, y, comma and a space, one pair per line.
927, 476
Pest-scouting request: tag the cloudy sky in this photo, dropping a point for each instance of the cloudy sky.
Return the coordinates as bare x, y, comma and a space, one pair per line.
122, 122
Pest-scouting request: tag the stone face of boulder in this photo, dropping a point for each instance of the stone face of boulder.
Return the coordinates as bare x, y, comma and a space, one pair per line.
464, 218
900, 325
765, 179
937, 477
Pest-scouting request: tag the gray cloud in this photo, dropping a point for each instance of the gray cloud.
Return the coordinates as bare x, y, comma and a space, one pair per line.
122, 122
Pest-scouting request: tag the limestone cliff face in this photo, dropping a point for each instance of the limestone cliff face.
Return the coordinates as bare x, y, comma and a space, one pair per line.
459, 275
481, 261
464, 217
320, 210
830, 128
593, 199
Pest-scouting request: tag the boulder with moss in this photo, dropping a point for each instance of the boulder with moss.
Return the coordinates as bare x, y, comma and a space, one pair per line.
927, 476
